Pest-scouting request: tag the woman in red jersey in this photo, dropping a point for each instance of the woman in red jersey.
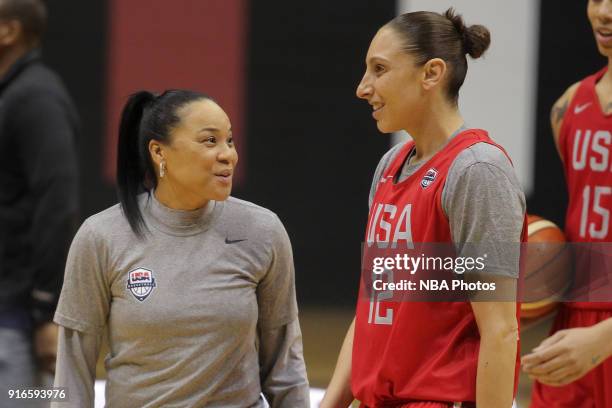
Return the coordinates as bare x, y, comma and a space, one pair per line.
573, 367
452, 184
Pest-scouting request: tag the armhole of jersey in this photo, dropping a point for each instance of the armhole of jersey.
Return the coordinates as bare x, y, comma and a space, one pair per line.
567, 119
384, 170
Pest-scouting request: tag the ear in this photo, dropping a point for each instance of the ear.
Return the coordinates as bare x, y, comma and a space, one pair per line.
434, 72
10, 32
156, 150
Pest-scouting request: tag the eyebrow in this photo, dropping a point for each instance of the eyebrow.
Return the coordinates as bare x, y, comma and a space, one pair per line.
213, 129
377, 58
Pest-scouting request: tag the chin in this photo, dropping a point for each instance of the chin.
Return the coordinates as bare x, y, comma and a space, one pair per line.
222, 195
385, 127
606, 52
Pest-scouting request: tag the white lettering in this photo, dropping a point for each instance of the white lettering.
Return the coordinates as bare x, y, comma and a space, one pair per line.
603, 151
580, 163
584, 214
406, 233
373, 223
602, 232
386, 226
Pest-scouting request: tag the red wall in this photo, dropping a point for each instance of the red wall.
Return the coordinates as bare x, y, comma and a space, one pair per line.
161, 44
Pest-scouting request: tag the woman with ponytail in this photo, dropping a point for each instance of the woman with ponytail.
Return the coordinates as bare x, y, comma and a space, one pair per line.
450, 185
194, 288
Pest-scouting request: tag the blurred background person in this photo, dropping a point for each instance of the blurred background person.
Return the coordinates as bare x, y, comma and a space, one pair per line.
573, 368
38, 194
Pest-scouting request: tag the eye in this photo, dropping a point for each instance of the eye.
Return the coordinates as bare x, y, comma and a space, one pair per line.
379, 69
210, 140
230, 141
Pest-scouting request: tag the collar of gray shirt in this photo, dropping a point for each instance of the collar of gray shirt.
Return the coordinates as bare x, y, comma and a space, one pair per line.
178, 222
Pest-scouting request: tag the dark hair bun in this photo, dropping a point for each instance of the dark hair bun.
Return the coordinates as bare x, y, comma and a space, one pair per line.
476, 38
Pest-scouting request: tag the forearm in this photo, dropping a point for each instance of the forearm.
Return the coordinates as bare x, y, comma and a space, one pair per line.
604, 336
75, 370
496, 370
283, 372
338, 394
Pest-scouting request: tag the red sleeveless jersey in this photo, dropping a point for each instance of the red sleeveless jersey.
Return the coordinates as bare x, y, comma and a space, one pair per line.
411, 351
585, 141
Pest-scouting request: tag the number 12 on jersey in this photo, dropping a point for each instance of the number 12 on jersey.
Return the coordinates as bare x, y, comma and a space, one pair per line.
379, 296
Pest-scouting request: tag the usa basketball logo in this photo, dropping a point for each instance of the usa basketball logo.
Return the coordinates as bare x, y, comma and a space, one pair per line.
141, 283
429, 177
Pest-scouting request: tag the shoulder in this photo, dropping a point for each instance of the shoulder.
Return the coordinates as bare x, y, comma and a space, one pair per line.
249, 217
562, 103
385, 161
247, 210
481, 164
559, 109
481, 153
569, 93
39, 84
108, 224
480, 171
390, 155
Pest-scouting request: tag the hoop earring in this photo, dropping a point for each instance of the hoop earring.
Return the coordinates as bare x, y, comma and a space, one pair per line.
162, 169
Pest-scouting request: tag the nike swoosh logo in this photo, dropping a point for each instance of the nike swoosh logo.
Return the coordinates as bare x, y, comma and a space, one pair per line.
579, 108
233, 241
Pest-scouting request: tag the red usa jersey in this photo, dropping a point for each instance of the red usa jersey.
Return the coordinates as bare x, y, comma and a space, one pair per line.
585, 141
410, 351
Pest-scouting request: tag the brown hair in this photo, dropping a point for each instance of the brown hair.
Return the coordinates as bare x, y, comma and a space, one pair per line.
428, 35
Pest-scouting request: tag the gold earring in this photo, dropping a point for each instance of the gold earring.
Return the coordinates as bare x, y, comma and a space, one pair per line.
162, 169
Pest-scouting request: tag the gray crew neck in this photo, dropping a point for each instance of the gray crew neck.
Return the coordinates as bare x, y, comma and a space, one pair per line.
178, 222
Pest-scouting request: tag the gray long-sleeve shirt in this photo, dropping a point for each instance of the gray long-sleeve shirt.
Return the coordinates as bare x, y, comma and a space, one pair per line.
201, 313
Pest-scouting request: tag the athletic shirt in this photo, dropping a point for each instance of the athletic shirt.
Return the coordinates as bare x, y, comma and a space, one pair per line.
411, 351
584, 140
201, 312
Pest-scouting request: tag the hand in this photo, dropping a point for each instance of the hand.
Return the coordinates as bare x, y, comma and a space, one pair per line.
45, 345
565, 356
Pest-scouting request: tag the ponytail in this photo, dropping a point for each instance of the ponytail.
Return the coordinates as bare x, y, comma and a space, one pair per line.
130, 169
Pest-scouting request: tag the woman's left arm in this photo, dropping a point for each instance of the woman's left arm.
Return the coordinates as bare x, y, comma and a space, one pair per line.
281, 360
486, 208
498, 329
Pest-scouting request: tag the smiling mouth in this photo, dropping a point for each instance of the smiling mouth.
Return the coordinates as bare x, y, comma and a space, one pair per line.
605, 35
225, 173
376, 108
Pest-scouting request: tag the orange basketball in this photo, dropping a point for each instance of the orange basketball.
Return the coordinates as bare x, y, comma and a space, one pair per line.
548, 268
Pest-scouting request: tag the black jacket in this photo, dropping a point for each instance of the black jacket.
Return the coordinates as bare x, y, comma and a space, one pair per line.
38, 186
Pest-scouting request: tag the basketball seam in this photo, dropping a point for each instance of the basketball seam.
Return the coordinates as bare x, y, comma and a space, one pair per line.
538, 226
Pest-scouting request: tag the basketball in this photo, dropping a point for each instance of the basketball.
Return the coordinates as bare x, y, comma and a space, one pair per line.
548, 268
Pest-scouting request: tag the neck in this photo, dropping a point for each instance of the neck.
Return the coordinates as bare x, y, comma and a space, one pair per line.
607, 78
9, 56
434, 129
172, 198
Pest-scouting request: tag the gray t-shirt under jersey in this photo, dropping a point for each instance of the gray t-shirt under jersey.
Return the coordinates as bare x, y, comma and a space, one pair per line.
484, 203
218, 327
